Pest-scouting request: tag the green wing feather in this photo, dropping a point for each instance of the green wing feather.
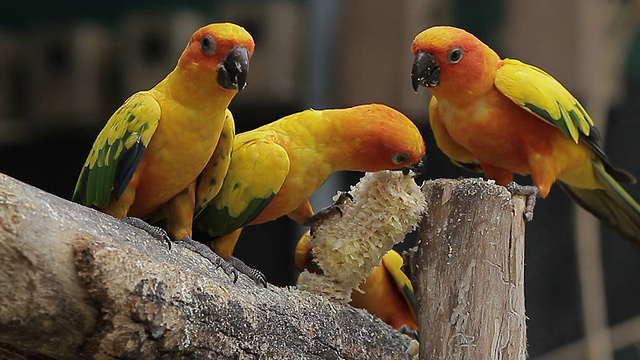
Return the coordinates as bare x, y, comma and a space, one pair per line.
258, 169
542, 95
211, 179
393, 263
117, 151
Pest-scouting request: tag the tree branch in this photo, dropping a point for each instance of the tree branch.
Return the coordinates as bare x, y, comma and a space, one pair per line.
75, 283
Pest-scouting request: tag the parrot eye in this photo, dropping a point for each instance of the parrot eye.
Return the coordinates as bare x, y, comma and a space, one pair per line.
207, 45
399, 158
455, 55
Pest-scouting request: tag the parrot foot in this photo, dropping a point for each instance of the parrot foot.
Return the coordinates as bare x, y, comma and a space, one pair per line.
252, 273
530, 191
321, 215
206, 252
404, 329
155, 231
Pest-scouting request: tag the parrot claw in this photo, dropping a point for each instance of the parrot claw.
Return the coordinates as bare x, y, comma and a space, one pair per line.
206, 252
252, 273
230, 266
530, 191
155, 231
404, 329
321, 215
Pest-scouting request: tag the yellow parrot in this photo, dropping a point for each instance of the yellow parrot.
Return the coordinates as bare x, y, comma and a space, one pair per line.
145, 161
503, 116
276, 167
386, 293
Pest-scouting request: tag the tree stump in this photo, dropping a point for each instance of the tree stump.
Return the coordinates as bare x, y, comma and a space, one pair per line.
468, 272
79, 284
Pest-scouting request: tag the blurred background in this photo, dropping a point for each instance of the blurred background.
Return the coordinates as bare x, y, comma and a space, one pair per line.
66, 65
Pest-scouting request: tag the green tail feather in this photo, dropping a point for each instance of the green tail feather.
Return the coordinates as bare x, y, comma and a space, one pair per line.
613, 205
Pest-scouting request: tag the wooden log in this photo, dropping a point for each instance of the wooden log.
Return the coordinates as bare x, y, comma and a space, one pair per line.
468, 272
78, 284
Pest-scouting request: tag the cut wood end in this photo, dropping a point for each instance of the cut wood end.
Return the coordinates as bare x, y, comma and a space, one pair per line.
473, 187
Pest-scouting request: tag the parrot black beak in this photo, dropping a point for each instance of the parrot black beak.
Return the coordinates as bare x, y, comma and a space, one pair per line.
233, 70
415, 169
425, 71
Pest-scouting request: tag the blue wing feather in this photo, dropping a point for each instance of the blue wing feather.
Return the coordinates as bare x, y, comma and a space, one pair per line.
127, 165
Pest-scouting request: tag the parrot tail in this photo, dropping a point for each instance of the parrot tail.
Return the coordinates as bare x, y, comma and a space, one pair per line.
611, 204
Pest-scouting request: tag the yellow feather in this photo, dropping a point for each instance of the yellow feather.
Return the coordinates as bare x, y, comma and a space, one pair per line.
214, 173
543, 96
254, 156
145, 111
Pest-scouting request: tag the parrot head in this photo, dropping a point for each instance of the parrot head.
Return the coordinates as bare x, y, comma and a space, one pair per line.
382, 138
222, 50
451, 60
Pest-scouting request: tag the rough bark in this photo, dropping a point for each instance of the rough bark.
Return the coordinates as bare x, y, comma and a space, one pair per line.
75, 283
468, 272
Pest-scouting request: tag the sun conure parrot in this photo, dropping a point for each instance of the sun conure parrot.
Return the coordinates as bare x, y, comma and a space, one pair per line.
387, 293
503, 116
154, 146
276, 167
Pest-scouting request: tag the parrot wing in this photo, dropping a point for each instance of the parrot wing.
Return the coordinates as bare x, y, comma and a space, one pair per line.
212, 177
117, 151
258, 169
543, 96
392, 261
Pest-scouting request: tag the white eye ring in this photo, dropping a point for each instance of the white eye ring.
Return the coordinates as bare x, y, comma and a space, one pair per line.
455, 55
207, 45
399, 158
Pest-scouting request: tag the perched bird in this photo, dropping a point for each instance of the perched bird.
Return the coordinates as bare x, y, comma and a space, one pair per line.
503, 116
146, 159
386, 293
276, 167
